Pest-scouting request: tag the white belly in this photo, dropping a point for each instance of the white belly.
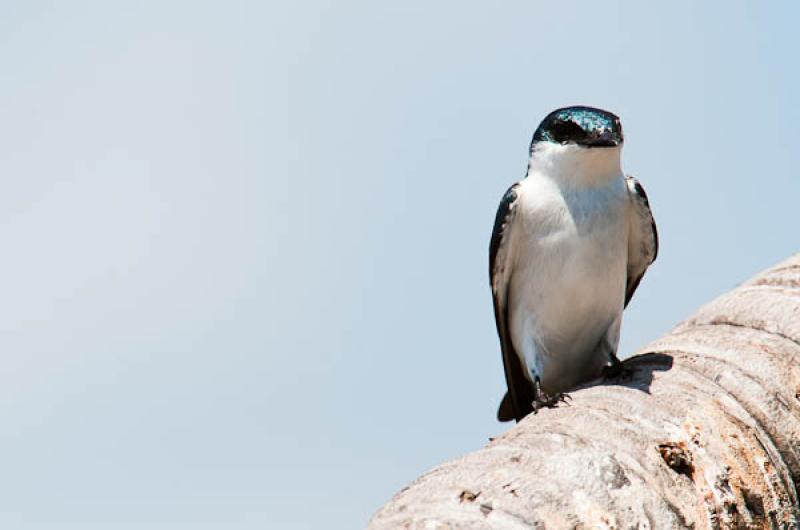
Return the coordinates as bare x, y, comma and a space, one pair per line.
568, 285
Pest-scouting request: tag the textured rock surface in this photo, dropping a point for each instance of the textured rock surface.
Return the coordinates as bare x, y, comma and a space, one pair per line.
706, 434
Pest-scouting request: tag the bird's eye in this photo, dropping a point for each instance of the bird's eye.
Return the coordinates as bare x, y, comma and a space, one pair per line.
564, 131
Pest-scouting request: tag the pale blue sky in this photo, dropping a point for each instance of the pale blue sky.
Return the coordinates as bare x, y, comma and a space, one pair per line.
244, 273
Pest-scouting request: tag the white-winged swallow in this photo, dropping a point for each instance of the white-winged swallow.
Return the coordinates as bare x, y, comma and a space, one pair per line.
570, 244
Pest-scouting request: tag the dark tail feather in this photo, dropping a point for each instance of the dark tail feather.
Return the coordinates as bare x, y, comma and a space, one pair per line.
506, 410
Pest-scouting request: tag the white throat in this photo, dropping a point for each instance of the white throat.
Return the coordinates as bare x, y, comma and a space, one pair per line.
574, 165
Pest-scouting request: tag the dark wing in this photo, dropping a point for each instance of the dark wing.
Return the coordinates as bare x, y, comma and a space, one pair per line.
642, 237
517, 403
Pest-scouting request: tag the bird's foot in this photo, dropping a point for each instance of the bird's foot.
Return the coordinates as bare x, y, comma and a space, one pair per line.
549, 400
617, 372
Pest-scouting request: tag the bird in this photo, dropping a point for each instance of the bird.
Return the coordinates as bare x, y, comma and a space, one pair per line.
570, 244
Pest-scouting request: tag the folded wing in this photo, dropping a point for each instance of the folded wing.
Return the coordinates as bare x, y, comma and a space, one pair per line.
642, 237
517, 403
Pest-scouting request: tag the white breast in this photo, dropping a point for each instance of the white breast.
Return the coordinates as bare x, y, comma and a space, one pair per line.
568, 282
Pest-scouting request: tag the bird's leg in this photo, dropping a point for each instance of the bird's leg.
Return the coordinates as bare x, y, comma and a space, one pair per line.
543, 400
616, 370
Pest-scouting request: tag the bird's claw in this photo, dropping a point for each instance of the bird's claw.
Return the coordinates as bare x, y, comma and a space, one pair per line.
550, 401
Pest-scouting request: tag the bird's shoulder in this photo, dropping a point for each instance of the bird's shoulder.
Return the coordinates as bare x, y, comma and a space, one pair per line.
502, 226
636, 192
643, 217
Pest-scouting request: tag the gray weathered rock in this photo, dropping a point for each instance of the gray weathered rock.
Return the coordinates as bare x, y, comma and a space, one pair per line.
706, 434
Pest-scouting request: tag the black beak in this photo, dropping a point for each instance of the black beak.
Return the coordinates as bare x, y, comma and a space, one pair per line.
606, 138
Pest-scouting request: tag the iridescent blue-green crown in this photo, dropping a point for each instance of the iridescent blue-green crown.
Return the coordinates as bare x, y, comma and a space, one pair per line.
586, 126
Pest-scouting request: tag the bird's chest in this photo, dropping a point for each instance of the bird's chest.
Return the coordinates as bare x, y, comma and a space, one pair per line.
573, 229
572, 252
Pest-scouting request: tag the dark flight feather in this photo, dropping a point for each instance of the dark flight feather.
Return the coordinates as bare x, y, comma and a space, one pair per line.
642, 237
517, 403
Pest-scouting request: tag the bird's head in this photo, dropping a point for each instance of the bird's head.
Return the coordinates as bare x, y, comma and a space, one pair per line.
578, 145
584, 126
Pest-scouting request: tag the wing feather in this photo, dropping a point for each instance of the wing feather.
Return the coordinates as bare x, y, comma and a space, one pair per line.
520, 389
642, 237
